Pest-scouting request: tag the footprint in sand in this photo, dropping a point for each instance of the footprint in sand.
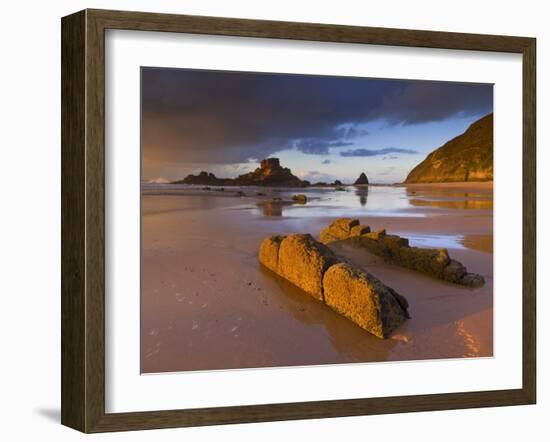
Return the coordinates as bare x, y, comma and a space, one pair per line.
469, 341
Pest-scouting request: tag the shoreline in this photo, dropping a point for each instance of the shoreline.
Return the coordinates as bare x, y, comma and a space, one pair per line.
329, 186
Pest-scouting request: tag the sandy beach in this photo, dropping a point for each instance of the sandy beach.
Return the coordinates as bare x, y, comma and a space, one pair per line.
208, 304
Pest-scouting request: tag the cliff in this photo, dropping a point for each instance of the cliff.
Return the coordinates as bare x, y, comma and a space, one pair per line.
467, 157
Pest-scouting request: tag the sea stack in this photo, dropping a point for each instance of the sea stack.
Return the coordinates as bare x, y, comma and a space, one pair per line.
362, 180
270, 173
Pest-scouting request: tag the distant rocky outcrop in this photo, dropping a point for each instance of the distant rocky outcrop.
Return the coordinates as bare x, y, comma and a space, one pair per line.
348, 290
335, 183
362, 180
204, 179
396, 250
467, 157
270, 173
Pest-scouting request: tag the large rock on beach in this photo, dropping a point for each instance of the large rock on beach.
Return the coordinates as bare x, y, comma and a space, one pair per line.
362, 298
340, 229
300, 198
396, 250
269, 252
313, 267
303, 261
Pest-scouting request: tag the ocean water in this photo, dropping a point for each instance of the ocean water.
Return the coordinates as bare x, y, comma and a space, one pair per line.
391, 202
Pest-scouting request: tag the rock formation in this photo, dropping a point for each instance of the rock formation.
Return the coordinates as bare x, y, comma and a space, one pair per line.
342, 229
270, 173
300, 198
335, 183
204, 179
353, 293
396, 250
303, 261
363, 299
467, 157
362, 180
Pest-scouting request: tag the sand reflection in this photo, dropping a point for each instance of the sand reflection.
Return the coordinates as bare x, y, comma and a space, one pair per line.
273, 208
466, 204
348, 340
482, 243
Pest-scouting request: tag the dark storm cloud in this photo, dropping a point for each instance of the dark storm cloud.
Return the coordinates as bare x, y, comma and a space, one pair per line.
326, 161
315, 146
352, 132
426, 101
375, 152
226, 117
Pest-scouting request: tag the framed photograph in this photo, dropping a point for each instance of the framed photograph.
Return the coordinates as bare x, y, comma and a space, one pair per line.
269, 220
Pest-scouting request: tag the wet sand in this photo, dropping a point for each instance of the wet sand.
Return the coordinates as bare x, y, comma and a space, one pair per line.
208, 304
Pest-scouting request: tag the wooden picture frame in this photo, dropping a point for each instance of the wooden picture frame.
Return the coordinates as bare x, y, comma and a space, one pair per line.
83, 220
